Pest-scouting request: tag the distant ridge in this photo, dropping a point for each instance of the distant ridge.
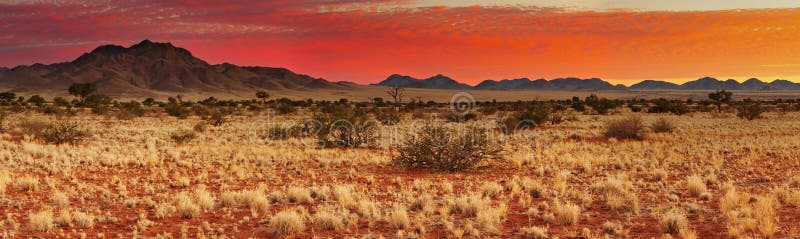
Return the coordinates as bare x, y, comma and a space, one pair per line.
434, 82
577, 84
149, 67
152, 68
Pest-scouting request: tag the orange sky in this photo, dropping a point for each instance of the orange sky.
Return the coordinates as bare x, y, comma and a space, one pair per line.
469, 44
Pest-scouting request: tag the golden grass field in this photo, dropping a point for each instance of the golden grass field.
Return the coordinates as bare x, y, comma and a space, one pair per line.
715, 176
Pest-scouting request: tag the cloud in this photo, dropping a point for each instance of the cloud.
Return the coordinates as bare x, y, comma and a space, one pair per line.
362, 41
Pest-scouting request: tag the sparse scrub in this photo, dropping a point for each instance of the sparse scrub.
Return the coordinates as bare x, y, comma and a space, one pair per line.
41, 221
674, 222
327, 220
631, 127
438, 148
750, 111
299, 195
63, 132
27, 184
399, 217
566, 213
662, 125
535, 232
287, 222
696, 186
182, 137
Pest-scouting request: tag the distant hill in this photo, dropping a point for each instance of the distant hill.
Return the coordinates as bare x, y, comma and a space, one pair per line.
434, 82
151, 66
577, 84
708, 83
654, 85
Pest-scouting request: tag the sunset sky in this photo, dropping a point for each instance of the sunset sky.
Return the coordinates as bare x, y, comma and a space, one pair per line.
470, 41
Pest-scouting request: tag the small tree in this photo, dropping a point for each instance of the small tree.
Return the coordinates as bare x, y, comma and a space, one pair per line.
82, 90
149, 101
397, 93
36, 100
263, 95
719, 97
7, 97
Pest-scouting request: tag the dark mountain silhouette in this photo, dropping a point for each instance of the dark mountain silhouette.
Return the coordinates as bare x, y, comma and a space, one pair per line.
434, 82
708, 83
655, 85
577, 84
515, 84
151, 66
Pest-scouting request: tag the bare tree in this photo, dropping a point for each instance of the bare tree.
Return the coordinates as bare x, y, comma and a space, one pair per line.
397, 94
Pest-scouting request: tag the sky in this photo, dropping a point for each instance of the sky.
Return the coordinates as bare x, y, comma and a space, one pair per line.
623, 41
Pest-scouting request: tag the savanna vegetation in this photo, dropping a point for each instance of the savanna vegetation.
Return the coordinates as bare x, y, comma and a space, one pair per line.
87, 165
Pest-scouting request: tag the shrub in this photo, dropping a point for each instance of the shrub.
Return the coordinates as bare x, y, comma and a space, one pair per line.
662, 126
41, 221
399, 217
63, 132
601, 105
130, 110
566, 213
327, 220
182, 137
286, 223
535, 232
750, 111
696, 186
3, 116
347, 128
625, 128
175, 109
32, 128
438, 148
674, 222
216, 118
286, 109
388, 116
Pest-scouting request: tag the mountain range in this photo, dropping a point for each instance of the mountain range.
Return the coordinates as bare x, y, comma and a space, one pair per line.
149, 68
577, 84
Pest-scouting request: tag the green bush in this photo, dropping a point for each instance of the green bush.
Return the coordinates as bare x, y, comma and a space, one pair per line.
631, 127
439, 148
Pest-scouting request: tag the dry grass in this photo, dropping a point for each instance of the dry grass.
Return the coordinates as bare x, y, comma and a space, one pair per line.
566, 213
131, 179
41, 221
399, 217
674, 222
287, 222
